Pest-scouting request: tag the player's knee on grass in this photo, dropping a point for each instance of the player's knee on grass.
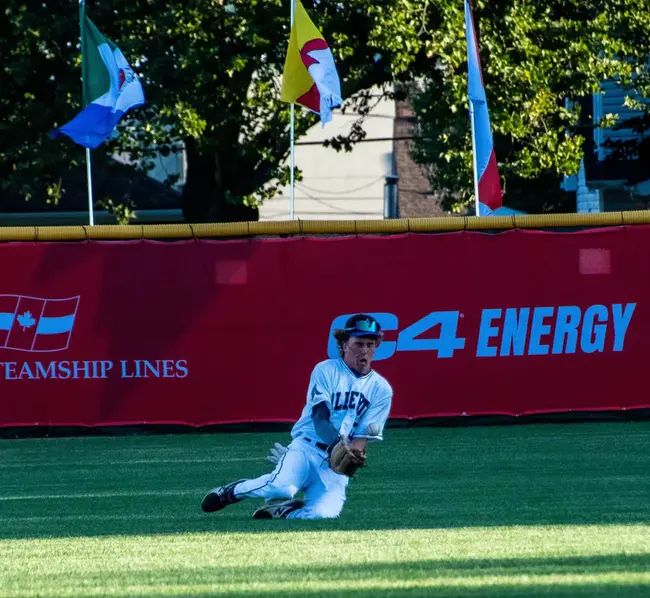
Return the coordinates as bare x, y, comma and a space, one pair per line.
325, 513
323, 510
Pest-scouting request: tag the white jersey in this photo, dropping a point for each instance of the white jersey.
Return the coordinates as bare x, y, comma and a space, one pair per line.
359, 405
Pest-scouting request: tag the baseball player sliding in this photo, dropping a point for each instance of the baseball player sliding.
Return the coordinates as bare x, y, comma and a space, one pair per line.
347, 406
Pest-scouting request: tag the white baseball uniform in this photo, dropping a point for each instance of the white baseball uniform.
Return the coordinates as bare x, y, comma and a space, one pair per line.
358, 406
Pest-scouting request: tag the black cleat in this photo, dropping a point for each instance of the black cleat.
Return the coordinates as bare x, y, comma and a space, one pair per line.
278, 510
220, 497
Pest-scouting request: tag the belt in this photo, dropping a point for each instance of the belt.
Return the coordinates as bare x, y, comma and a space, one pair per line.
321, 445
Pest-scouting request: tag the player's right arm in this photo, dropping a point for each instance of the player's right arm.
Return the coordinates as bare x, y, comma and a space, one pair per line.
324, 427
319, 397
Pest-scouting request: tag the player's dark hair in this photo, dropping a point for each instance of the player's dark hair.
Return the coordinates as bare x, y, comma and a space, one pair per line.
342, 336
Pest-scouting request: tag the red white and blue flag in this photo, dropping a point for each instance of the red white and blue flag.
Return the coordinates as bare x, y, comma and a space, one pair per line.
487, 171
36, 324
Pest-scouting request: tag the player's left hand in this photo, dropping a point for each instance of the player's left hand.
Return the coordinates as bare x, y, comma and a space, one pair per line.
276, 453
345, 460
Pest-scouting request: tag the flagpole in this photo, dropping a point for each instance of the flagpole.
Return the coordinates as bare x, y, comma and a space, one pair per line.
89, 181
474, 166
291, 204
291, 136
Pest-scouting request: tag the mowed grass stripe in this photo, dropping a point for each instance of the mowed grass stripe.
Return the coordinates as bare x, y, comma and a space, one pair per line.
270, 546
130, 463
537, 558
107, 494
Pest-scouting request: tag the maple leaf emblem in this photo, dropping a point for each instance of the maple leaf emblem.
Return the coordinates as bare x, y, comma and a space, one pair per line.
26, 320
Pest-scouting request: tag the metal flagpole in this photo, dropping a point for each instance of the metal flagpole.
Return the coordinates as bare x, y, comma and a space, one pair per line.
89, 180
291, 135
474, 166
90, 188
292, 163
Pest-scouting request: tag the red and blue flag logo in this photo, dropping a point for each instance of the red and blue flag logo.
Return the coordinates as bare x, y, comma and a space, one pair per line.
36, 324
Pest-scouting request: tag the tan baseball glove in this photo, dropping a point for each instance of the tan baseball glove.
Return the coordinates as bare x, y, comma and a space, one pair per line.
345, 460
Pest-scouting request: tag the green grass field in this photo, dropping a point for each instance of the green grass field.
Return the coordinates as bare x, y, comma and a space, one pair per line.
525, 511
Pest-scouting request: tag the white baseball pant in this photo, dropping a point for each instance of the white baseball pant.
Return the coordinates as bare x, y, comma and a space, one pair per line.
303, 467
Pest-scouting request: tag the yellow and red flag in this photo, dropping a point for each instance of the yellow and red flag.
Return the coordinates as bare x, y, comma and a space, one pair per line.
310, 78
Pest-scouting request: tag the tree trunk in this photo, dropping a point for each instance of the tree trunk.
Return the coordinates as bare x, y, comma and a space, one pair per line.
205, 191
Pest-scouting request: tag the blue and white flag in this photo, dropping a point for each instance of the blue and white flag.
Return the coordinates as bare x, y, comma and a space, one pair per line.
110, 89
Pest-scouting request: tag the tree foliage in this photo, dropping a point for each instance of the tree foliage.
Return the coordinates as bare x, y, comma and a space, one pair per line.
539, 58
211, 72
39, 77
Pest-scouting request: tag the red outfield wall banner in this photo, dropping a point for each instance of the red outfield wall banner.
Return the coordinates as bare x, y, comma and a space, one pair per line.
203, 332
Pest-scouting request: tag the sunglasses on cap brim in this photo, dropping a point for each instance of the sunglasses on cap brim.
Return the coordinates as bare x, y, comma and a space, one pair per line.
363, 326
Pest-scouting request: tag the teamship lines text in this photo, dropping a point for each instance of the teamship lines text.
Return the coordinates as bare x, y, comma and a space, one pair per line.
94, 369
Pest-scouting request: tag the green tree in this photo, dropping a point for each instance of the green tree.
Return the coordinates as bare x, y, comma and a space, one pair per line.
39, 77
211, 72
539, 60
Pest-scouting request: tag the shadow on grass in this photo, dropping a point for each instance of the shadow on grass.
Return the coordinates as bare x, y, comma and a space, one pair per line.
537, 475
114, 523
494, 591
443, 505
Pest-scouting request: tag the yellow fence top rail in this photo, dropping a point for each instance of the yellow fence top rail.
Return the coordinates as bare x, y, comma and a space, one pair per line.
319, 227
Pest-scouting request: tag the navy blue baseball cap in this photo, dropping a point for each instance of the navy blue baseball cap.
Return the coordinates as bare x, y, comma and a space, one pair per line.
362, 325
